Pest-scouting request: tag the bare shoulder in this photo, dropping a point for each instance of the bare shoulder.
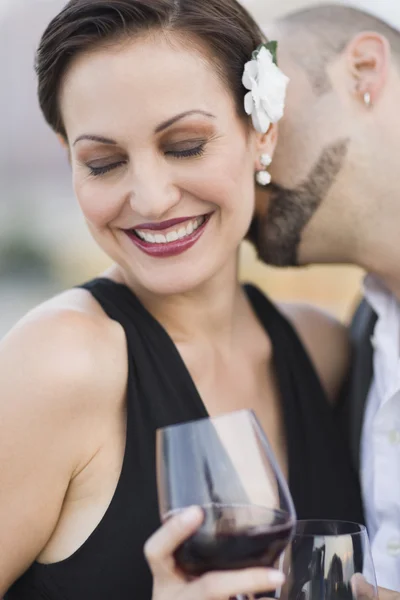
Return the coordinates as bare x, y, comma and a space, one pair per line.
68, 337
327, 342
62, 372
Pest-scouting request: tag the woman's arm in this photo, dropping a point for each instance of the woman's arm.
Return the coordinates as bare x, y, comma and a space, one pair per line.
326, 341
50, 389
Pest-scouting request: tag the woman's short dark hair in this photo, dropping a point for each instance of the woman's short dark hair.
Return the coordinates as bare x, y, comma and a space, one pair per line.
223, 27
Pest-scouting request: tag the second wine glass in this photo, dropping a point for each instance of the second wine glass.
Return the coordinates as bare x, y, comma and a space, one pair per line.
329, 560
226, 466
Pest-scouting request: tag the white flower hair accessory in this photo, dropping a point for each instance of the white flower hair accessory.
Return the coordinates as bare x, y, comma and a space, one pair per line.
265, 101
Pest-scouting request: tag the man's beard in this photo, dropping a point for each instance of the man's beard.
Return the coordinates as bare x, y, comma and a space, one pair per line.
278, 233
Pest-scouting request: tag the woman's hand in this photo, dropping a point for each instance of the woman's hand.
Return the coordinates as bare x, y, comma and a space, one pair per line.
171, 584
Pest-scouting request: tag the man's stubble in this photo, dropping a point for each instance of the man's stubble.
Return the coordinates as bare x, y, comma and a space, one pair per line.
277, 234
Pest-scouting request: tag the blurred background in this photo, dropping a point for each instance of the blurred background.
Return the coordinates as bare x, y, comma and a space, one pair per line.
44, 245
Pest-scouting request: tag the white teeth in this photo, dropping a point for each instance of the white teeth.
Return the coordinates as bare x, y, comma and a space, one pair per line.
160, 239
199, 222
171, 236
182, 233
147, 237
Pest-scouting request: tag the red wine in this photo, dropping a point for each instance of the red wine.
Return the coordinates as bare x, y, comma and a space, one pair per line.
235, 537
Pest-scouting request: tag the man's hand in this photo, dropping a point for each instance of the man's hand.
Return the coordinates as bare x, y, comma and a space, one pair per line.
362, 590
385, 594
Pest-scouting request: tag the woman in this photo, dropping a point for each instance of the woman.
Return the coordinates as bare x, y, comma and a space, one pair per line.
148, 97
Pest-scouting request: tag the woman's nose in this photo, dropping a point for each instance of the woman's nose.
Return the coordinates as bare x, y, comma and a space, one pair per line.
154, 195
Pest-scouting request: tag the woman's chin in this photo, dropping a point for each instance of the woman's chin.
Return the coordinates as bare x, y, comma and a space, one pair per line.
178, 284
178, 279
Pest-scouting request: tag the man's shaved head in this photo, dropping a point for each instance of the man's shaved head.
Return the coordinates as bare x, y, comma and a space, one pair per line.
315, 35
336, 155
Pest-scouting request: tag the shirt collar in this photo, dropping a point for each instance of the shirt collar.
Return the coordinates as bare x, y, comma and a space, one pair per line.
386, 336
378, 296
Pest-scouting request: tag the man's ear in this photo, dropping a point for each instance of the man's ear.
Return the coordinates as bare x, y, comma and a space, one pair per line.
368, 57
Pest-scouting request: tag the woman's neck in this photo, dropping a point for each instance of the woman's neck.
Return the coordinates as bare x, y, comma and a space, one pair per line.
208, 312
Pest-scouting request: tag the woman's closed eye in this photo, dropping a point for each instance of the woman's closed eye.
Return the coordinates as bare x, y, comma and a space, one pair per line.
105, 168
186, 150
182, 150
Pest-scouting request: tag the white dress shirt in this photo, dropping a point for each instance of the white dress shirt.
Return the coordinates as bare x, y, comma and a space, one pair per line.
380, 445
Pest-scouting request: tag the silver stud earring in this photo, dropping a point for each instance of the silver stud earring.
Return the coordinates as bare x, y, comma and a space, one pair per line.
264, 177
367, 99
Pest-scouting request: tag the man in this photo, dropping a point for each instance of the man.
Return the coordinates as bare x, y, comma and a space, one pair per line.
335, 198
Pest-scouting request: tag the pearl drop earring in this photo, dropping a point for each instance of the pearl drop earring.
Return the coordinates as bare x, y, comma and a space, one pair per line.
263, 177
265, 160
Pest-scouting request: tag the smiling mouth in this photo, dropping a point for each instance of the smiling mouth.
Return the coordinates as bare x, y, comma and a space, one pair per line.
170, 238
172, 234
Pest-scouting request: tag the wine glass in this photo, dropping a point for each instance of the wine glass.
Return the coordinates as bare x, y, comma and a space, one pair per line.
329, 560
225, 466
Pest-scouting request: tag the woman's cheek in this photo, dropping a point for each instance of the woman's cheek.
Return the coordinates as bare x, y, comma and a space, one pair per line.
217, 181
95, 202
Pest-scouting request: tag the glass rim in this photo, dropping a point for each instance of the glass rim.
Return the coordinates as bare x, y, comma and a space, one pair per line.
248, 411
354, 529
